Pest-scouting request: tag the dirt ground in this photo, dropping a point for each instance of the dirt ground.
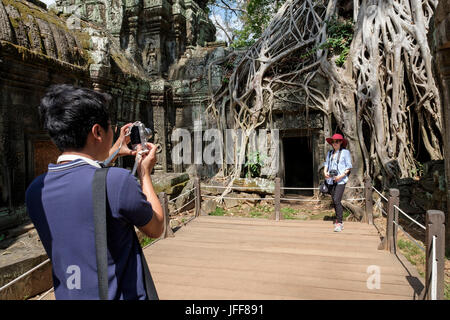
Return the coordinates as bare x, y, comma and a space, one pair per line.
304, 207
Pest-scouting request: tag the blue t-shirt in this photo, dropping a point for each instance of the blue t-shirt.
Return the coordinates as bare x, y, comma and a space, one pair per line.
345, 162
60, 205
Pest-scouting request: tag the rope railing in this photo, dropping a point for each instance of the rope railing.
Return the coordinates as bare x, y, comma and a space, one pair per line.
294, 188
283, 199
434, 244
300, 200
187, 192
409, 236
380, 194
402, 212
234, 198
378, 205
177, 210
266, 188
233, 187
23, 275
46, 293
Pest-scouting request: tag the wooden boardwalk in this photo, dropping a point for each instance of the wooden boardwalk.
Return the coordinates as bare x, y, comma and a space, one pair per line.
241, 258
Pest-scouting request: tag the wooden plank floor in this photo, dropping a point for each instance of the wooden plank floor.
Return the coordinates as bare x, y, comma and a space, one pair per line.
240, 258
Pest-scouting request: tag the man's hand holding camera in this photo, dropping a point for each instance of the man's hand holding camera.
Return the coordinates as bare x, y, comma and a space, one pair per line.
146, 160
122, 143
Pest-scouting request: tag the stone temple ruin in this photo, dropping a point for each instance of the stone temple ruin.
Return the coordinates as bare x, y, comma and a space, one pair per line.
151, 56
159, 61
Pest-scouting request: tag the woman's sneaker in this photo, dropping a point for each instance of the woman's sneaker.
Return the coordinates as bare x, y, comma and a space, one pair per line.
338, 227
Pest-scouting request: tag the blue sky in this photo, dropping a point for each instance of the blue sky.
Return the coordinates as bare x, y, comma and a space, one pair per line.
48, 2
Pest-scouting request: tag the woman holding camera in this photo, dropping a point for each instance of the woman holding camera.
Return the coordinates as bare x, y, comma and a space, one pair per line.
336, 169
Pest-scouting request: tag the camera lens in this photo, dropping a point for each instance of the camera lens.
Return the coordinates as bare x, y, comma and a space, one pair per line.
333, 173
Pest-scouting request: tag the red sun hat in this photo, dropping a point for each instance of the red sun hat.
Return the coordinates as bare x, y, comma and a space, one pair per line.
338, 136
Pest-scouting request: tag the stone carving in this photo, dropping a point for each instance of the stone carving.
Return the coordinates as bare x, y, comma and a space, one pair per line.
150, 58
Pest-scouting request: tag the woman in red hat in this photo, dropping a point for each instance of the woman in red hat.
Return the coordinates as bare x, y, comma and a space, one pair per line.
336, 169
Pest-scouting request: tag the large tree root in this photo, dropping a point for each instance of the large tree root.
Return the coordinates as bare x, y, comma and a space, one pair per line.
375, 97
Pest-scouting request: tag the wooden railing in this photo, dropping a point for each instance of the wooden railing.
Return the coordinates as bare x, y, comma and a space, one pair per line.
434, 229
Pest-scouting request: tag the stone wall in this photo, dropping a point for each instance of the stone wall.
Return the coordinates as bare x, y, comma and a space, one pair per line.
154, 33
36, 50
152, 56
120, 47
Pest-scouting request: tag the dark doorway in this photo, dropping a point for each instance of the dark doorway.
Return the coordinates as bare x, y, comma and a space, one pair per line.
298, 164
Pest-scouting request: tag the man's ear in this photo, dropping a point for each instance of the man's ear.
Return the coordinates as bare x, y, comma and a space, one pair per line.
96, 131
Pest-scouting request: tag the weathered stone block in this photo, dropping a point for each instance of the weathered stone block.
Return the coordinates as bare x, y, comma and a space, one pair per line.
255, 185
162, 182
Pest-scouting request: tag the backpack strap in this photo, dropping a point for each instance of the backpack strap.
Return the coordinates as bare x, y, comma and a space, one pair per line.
101, 245
149, 284
99, 198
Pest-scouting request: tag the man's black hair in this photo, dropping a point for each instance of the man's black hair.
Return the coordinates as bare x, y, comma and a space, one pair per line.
68, 113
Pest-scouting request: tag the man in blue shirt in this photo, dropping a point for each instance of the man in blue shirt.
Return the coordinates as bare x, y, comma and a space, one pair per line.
337, 167
60, 201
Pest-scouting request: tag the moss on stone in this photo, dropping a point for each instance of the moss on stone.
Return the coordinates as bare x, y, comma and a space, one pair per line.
29, 11
26, 9
84, 39
29, 55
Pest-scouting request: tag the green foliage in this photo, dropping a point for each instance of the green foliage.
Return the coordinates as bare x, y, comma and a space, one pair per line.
447, 291
346, 214
256, 18
288, 213
217, 212
261, 211
254, 163
265, 208
417, 171
340, 36
413, 254
244, 38
146, 241
255, 213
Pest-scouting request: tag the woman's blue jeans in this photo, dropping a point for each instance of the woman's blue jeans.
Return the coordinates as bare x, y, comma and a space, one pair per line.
336, 191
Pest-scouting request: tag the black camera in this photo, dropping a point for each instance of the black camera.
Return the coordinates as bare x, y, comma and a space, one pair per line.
139, 135
333, 173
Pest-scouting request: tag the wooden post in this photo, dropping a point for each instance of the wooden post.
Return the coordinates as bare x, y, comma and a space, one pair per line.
395, 228
277, 214
393, 200
165, 206
369, 200
198, 197
435, 224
